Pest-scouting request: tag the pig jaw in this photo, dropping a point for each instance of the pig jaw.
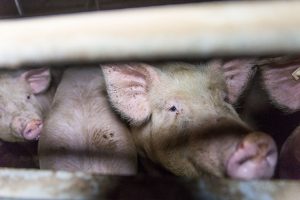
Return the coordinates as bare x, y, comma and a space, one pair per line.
254, 158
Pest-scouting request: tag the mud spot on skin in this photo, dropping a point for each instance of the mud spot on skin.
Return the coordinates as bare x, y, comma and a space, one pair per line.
103, 139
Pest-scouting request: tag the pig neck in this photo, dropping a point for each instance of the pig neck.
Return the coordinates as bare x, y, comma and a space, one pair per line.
45, 100
148, 167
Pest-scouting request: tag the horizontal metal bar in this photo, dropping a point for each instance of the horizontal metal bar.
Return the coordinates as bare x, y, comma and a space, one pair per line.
181, 31
42, 184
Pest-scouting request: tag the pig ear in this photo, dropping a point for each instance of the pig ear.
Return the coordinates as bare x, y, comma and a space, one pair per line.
281, 85
38, 79
128, 86
237, 74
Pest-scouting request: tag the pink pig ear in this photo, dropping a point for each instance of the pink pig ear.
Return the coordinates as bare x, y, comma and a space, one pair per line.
128, 87
38, 79
280, 83
237, 74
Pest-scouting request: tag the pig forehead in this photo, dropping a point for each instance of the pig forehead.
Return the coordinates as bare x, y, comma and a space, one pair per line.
10, 87
193, 82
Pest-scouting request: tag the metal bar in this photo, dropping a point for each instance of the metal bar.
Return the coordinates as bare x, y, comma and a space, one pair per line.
19, 7
97, 4
181, 31
43, 184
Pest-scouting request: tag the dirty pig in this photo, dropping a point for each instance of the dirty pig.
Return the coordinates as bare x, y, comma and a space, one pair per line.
181, 117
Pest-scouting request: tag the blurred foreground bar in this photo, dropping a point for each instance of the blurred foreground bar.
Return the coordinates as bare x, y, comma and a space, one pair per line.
189, 31
31, 184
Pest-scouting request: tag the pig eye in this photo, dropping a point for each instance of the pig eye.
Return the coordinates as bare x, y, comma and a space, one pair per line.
173, 109
225, 97
28, 97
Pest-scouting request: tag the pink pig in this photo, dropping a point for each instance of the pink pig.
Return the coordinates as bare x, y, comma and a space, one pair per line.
81, 131
181, 117
25, 97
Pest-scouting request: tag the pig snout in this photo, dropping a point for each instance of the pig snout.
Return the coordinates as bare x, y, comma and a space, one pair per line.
33, 130
27, 129
254, 158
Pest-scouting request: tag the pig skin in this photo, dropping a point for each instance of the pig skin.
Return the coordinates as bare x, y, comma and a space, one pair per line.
81, 131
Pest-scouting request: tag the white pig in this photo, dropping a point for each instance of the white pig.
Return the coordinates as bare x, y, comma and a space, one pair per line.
181, 118
81, 131
25, 97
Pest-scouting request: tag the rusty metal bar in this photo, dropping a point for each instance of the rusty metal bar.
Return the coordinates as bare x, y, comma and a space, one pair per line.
181, 31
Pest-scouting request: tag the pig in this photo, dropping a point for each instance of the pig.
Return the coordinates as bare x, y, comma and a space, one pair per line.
279, 82
25, 97
181, 117
284, 92
81, 131
289, 160
257, 110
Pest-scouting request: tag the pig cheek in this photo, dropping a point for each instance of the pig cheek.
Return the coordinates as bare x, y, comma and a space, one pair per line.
169, 146
204, 156
7, 132
17, 124
161, 133
172, 152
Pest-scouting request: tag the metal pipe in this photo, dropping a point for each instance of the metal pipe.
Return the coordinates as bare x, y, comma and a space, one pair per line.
19, 7
179, 31
44, 184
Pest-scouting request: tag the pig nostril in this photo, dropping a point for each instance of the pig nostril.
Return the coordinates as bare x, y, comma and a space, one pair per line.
32, 130
245, 159
27, 132
253, 159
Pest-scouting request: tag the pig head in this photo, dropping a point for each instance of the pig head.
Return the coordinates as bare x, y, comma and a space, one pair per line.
181, 118
21, 104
